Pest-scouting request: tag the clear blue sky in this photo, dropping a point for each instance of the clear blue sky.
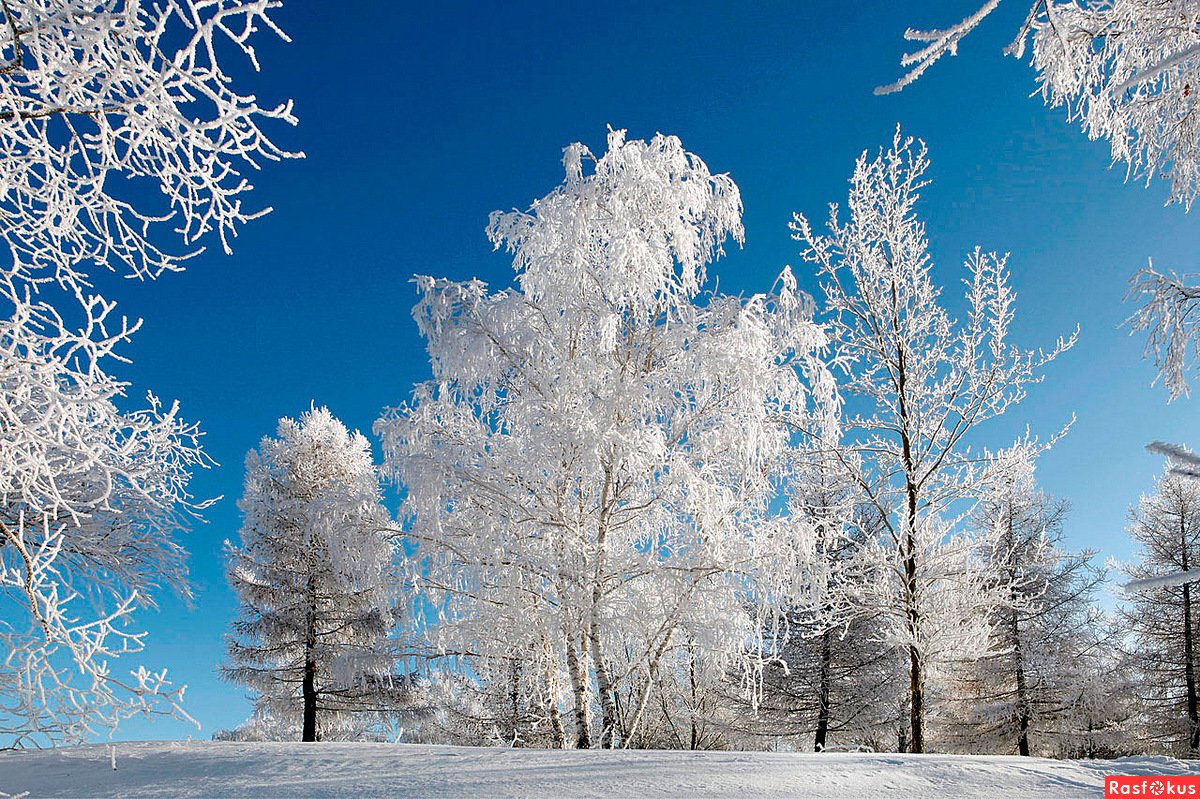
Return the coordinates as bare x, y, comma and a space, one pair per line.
418, 121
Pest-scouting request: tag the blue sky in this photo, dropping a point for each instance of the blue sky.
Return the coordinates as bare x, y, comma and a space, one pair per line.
419, 120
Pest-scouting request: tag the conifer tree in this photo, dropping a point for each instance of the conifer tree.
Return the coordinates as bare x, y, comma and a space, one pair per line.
313, 576
1162, 617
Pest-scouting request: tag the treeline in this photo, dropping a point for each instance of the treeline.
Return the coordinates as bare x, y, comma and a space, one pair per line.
637, 512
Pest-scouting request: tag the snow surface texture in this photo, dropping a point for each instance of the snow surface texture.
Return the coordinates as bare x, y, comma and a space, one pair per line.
260, 770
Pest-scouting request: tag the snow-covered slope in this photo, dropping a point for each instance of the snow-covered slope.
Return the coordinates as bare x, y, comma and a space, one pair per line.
203, 769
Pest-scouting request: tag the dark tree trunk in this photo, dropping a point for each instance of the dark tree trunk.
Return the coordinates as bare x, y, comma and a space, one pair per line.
1023, 720
916, 670
309, 686
310, 702
694, 742
819, 740
916, 685
1024, 714
1189, 655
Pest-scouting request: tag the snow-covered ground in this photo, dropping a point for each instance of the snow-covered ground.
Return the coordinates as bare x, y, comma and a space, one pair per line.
204, 769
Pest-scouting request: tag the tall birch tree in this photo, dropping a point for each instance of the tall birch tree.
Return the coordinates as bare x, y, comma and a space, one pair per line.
586, 470
924, 382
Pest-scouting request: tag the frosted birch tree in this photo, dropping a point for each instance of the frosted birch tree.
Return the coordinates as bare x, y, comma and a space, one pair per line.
586, 471
313, 574
920, 383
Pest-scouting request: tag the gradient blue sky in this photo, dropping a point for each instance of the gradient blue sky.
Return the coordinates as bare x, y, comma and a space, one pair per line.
418, 120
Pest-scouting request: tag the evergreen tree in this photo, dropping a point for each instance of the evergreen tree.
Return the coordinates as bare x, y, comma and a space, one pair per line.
1162, 616
1043, 624
313, 574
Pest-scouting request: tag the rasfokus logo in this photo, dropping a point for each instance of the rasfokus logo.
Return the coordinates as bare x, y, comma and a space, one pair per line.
1152, 786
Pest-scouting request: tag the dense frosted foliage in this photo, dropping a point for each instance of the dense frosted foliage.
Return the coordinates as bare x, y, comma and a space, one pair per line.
589, 469
313, 574
1163, 617
92, 92
93, 488
836, 678
91, 498
1029, 692
1126, 70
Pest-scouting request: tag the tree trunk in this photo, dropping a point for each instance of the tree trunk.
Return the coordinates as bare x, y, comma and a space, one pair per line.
608, 707
1189, 655
559, 733
1024, 714
309, 684
310, 702
916, 671
819, 740
694, 739
916, 685
583, 706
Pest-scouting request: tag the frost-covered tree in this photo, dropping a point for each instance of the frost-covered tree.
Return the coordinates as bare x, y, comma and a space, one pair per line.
92, 495
1129, 72
313, 574
920, 383
834, 682
1102, 718
1162, 618
587, 470
1016, 696
92, 487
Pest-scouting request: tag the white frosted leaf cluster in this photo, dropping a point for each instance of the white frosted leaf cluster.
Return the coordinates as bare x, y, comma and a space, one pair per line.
1170, 317
589, 467
1126, 70
96, 93
92, 497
